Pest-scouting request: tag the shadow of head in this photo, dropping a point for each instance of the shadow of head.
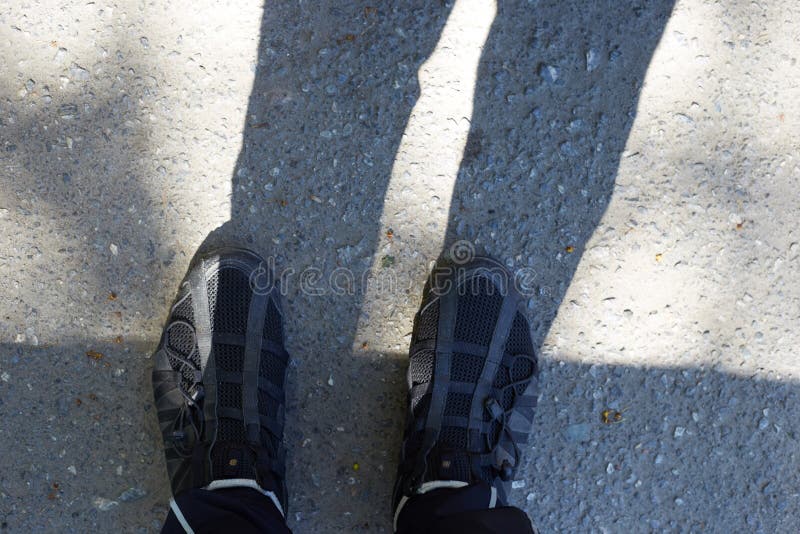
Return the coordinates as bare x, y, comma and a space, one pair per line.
84, 207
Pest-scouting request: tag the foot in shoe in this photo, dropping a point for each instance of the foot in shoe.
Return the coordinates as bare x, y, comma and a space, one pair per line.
472, 382
218, 377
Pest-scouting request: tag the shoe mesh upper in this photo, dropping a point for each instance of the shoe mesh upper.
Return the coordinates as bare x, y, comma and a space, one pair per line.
465, 367
183, 310
233, 454
478, 307
229, 295
229, 301
229, 357
229, 395
421, 368
273, 329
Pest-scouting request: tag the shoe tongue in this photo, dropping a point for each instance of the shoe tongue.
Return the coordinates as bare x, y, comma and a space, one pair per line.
449, 465
232, 460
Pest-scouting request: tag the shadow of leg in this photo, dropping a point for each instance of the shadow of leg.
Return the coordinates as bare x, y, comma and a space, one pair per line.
557, 91
333, 90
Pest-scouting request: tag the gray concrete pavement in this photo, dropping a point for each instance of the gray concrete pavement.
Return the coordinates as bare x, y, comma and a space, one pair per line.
639, 157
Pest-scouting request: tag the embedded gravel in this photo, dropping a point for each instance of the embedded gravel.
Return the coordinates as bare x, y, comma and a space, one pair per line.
637, 161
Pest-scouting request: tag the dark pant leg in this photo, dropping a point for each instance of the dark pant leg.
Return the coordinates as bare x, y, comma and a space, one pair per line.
463, 510
239, 510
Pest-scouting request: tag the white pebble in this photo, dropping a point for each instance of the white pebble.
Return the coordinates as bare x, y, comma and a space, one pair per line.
592, 59
104, 505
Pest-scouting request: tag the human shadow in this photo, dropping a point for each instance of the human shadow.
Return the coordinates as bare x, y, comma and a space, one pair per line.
334, 86
333, 90
698, 449
557, 91
84, 216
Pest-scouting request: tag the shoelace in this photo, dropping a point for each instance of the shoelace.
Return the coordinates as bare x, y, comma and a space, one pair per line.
192, 408
505, 469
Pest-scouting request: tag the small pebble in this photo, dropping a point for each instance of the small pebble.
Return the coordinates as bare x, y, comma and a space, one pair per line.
61, 54
68, 111
549, 73
103, 504
592, 59
78, 73
132, 494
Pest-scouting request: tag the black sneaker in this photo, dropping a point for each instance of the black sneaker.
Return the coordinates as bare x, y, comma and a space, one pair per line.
472, 383
218, 377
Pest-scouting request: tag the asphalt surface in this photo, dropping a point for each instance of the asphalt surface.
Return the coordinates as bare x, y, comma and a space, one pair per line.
637, 160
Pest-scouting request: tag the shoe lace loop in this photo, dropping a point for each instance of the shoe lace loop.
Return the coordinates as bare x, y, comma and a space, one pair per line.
192, 410
504, 468
492, 440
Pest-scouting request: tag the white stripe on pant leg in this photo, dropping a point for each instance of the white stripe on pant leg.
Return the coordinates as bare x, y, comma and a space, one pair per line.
400, 505
245, 483
179, 516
